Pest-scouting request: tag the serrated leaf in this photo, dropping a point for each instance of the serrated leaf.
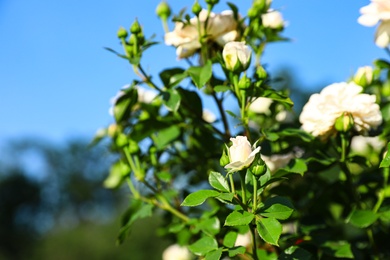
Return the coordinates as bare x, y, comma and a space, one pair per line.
269, 230
339, 249
217, 181
171, 99
239, 218
214, 255
225, 197
236, 250
362, 218
277, 207
386, 160
198, 197
203, 246
200, 74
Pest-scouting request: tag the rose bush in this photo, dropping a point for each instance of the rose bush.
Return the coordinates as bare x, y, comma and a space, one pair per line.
249, 179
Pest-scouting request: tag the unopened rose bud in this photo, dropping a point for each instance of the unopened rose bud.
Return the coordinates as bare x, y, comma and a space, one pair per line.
259, 167
363, 76
135, 28
122, 33
237, 56
261, 73
163, 11
224, 160
112, 130
121, 140
196, 8
344, 123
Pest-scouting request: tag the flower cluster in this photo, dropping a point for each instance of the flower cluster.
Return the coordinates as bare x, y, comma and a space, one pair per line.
377, 11
221, 29
321, 111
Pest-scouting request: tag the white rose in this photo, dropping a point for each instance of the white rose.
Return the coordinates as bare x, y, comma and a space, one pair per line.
377, 10
273, 19
362, 144
221, 28
277, 161
321, 111
237, 56
176, 252
382, 34
241, 154
208, 116
244, 240
363, 75
261, 105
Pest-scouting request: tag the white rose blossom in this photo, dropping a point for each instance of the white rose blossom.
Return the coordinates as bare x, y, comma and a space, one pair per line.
244, 240
261, 105
237, 56
272, 19
377, 11
176, 252
321, 111
221, 28
241, 154
362, 144
277, 161
208, 116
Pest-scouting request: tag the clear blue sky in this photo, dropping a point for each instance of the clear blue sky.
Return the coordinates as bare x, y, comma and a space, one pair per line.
56, 79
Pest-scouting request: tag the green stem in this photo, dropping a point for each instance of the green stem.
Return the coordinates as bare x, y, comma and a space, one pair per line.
381, 195
254, 246
254, 208
345, 169
166, 206
243, 190
132, 188
233, 190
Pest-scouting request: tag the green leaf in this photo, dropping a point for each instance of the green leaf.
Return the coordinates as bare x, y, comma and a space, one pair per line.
221, 88
124, 104
339, 249
386, 161
171, 99
272, 94
200, 75
198, 197
138, 211
225, 197
269, 230
203, 246
118, 172
172, 77
296, 166
239, 218
230, 239
210, 226
277, 207
214, 255
192, 102
217, 181
362, 218
295, 252
236, 251
166, 136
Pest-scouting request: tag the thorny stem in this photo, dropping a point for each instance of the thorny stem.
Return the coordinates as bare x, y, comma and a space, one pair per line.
233, 189
243, 193
254, 246
254, 201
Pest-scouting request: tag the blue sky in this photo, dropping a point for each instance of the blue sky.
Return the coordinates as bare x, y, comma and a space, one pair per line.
56, 79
